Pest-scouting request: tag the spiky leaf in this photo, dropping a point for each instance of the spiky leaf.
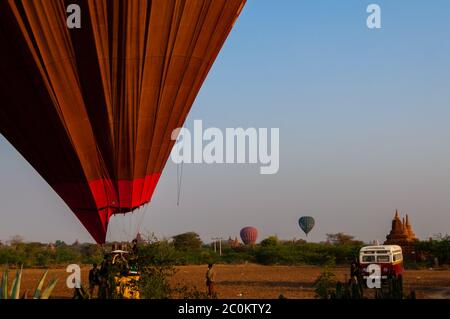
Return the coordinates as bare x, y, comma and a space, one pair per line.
4, 287
25, 295
38, 291
15, 288
48, 291
84, 293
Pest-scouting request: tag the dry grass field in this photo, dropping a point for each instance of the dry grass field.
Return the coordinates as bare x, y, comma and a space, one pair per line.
259, 282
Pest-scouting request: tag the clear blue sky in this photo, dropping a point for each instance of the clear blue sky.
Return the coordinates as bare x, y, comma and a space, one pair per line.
364, 122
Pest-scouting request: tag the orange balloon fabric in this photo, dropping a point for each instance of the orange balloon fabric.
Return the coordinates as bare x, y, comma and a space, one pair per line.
93, 109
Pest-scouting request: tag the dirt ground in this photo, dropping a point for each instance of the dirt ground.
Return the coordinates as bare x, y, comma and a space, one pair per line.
257, 282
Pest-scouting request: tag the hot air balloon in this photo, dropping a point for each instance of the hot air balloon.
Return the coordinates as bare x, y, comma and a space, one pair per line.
306, 223
93, 109
249, 235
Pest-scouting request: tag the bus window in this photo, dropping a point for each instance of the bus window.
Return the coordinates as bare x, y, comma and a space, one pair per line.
368, 259
383, 259
398, 257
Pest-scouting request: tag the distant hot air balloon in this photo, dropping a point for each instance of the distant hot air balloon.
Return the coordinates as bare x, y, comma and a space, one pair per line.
249, 235
306, 223
93, 109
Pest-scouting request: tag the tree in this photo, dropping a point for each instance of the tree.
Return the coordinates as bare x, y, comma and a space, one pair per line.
437, 247
270, 241
60, 243
342, 239
187, 241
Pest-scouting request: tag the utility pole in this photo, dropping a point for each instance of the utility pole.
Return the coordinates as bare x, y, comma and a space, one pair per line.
218, 239
214, 241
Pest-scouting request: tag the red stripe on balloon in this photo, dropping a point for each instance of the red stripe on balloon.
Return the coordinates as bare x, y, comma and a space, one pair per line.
129, 194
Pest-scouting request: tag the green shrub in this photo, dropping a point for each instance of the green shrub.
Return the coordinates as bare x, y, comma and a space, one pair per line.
155, 282
156, 261
324, 285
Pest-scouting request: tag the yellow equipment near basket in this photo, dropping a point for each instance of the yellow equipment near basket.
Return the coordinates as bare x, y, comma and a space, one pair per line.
126, 286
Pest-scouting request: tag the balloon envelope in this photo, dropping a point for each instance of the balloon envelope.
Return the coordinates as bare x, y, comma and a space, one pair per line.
249, 235
93, 109
306, 223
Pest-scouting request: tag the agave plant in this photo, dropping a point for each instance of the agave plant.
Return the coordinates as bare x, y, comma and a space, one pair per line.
81, 293
15, 288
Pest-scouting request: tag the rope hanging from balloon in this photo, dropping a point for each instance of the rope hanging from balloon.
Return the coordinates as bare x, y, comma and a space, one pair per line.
179, 180
179, 175
142, 218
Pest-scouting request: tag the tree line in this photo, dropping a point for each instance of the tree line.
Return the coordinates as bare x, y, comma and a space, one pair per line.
188, 249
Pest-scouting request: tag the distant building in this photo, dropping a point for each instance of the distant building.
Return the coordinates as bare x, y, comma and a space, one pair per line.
403, 235
233, 243
76, 243
140, 239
